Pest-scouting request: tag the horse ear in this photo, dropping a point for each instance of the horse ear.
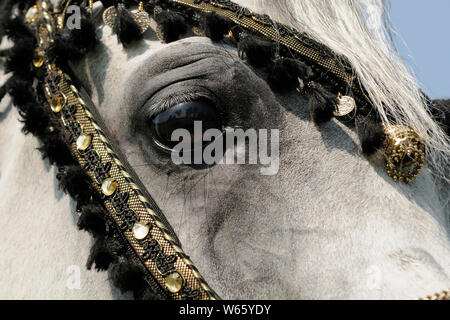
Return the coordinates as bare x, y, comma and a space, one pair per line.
370, 133
125, 27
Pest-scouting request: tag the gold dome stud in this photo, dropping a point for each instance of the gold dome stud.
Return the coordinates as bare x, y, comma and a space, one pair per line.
174, 282
57, 102
31, 14
83, 142
141, 230
38, 59
109, 187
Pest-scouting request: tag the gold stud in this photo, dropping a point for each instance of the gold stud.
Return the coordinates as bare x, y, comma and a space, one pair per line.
109, 186
141, 230
31, 14
174, 282
57, 102
83, 142
38, 59
60, 21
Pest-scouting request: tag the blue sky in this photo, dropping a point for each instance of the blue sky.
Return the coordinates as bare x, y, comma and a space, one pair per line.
425, 28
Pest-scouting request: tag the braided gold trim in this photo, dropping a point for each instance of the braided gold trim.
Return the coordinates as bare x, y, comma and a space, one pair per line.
137, 202
291, 42
192, 279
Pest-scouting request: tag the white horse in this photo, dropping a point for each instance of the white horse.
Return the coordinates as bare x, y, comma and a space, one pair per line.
329, 225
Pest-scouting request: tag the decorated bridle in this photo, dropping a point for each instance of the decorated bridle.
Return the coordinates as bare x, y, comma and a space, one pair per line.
131, 232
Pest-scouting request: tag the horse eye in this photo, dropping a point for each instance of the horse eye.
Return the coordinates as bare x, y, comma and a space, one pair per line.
183, 116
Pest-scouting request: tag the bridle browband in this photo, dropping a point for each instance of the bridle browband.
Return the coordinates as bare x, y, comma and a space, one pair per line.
131, 232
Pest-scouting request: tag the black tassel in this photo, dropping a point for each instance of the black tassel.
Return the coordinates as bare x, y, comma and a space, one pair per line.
92, 219
148, 294
238, 33
34, 119
322, 103
74, 44
125, 27
258, 52
22, 4
101, 255
150, 5
21, 57
84, 38
3, 91
16, 29
55, 150
4, 53
128, 277
107, 3
19, 90
216, 26
172, 25
74, 181
284, 74
370, 133
6, 6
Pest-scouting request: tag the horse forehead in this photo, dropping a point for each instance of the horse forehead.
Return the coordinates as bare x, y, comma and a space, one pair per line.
111, 65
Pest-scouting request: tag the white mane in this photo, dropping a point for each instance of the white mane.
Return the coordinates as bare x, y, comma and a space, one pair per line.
360, 31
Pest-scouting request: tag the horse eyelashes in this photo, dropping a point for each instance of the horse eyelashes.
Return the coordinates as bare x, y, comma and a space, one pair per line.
185, 116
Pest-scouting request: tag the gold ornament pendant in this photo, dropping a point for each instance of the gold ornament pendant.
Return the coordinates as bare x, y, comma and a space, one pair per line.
141, 17
404, 153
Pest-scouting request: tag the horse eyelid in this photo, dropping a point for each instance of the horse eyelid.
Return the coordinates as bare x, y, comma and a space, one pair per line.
174, 99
